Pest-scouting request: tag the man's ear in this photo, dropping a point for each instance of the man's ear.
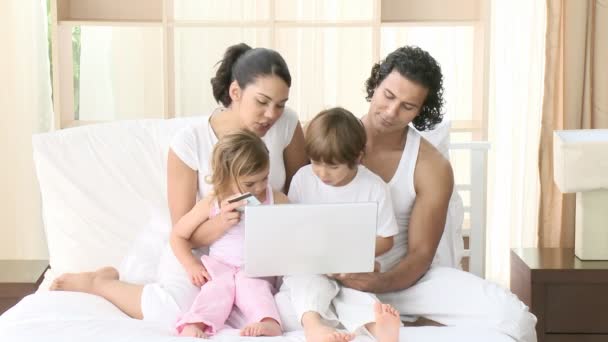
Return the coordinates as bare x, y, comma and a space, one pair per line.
235, 91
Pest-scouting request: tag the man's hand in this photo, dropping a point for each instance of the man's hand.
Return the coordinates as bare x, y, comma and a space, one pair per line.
367, 282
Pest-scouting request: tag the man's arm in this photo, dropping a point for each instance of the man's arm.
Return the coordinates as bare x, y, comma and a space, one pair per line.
434, 182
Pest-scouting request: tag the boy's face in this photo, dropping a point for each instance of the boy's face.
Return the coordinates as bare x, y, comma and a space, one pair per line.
333, 174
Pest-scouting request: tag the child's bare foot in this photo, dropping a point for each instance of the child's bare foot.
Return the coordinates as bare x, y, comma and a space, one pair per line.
323, 333
193, 330
84, 281
267, 327
387, 324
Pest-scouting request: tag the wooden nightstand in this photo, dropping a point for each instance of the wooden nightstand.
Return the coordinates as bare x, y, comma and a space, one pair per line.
19, 278
568, 296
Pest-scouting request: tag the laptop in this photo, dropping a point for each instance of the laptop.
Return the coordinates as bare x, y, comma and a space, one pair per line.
295, 239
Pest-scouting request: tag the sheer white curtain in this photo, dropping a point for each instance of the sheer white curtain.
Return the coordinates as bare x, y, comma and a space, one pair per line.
516, 89
121, 73
25, 108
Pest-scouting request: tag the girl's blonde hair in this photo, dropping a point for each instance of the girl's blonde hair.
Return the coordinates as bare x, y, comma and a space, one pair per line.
237, 154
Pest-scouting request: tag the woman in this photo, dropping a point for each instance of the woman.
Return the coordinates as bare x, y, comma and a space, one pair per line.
253, 87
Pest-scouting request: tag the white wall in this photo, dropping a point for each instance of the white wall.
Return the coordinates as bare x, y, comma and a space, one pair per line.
25, 108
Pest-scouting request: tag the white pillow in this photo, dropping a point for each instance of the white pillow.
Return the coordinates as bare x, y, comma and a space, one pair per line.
439, 137
100, 185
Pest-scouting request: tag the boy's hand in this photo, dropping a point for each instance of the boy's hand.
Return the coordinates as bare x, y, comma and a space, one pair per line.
198, 274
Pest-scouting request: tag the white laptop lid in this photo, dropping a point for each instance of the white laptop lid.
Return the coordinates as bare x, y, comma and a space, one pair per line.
290, 239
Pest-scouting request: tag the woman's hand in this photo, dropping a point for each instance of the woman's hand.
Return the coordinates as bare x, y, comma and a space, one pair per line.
198, 274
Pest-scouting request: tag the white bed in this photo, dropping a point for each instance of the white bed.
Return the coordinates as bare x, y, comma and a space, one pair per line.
104, 203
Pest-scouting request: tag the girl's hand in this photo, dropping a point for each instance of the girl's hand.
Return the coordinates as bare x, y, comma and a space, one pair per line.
229, 216
198, 274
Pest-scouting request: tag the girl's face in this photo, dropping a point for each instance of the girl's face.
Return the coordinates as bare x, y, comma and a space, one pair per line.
261, 103
256, 184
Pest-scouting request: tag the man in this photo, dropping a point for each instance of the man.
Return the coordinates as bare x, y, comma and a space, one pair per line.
407, 88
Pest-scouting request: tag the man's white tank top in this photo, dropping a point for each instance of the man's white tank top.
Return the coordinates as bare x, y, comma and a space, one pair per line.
403, 196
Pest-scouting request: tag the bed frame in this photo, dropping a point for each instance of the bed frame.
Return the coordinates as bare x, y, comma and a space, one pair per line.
474, 227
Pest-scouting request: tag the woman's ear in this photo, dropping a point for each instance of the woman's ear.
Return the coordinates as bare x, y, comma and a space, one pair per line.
235, 91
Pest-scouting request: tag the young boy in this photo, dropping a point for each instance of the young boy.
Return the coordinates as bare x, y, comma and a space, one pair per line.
335, 144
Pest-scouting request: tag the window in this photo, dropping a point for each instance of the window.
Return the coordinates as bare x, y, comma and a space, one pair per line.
147, 60
154, 58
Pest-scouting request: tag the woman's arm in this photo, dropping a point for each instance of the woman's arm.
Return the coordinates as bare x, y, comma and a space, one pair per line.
280, 198
183, 229
182, 185
383, 244
294, 156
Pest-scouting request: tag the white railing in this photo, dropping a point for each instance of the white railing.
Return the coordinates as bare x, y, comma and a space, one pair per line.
476, 232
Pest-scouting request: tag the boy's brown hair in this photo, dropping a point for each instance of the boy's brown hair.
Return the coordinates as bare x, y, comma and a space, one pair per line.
335, 136
235, 155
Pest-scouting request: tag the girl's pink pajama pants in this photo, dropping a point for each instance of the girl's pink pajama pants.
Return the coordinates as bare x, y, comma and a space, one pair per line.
229, 286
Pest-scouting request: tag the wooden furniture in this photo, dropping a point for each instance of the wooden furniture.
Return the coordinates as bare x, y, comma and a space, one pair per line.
19, 278
568, 296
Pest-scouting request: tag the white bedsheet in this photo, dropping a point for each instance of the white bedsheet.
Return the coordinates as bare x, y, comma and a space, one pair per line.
67, 316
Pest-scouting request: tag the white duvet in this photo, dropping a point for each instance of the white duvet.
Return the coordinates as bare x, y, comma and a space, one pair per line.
67, 316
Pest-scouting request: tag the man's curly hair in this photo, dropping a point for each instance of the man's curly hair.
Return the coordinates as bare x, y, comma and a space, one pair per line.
417, 66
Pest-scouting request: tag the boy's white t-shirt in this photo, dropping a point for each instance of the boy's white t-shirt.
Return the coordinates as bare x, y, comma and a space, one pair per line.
306, 187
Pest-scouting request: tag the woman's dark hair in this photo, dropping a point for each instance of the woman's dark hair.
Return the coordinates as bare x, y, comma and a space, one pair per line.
417, 66
244, 64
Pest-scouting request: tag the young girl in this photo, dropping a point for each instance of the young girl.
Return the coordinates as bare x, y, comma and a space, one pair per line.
240, 164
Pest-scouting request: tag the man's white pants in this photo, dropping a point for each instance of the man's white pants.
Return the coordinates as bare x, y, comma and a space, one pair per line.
448, 296
334, 303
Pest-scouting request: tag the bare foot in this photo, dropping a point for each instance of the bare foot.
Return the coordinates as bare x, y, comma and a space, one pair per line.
84, 281
193, 330
323, 333
267, 327
387, 324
